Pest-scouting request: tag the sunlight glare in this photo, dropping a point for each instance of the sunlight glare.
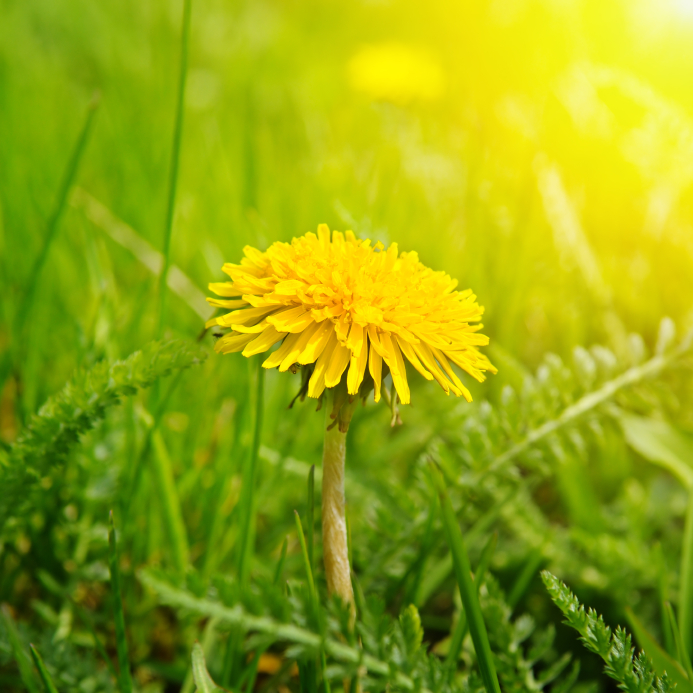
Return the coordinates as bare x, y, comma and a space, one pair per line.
684, 7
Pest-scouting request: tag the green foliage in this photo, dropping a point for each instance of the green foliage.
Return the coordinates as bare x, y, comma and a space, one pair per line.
203, 680
633, 673
76, 409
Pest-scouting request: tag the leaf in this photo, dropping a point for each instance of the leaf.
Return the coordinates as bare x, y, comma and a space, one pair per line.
477, 627
661, 659
76, 409
203, 680
634, 674
43, 672
25, 670
661, 443
125, 678
236, 616
410, 622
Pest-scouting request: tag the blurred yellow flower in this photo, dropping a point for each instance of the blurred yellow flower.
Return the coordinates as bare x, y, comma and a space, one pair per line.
336, 302
396, 72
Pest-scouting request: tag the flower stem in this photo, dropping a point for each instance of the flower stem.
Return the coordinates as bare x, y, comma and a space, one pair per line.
334, 534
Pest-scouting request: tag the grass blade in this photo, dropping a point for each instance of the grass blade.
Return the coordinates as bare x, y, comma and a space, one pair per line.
661, 659
306, 560
477, 628
686, 584
310, 525
313, 594
175, 160
26, 673
461, 626
247, 499
681, 652
173, 514
203, 680
125, 678
529, 570
43, 672
58, 208
280, 563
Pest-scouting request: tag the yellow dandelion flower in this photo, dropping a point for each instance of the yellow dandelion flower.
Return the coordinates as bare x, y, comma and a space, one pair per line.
396, 72
338, 304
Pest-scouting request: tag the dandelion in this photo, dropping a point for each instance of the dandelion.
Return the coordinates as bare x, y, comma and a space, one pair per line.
396, 72
347, 314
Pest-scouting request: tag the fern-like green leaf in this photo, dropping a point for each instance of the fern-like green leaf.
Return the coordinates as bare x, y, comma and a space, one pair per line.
634, 674
67, 415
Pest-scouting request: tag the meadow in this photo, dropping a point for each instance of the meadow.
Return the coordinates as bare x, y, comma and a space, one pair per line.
538, 151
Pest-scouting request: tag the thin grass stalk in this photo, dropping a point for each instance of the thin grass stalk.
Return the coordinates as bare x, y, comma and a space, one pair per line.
280, 563
43, 672
125, 678
173, 513
529, 570
175, 160
310, 523
662, 593
334, 529
461, 626
250, 674
26, 672
681, 652
470, 600
686, 580
59, 207
315, 602
306, 560
247, 500
25, 310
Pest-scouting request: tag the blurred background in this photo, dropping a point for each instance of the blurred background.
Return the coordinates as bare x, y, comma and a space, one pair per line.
540, 151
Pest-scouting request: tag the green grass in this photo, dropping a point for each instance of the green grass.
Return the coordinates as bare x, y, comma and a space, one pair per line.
550, 175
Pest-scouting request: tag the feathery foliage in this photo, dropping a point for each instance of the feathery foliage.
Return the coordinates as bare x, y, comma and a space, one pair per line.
76, 409
633, 673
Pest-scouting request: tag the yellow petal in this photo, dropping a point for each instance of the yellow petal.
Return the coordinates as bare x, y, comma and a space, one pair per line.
355, 340
227, 304
280, 354
298, 347
264, 341
408, 351
374, 336
375, 366
324, 235
224, 289
394, 360
451, 374
357, 369
292, 320
338, 363
424, 353
243, 317
316, 384
317, 343
252, 329
232, 342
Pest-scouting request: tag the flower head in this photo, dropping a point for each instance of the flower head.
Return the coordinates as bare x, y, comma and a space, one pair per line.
338, 304
396, 72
